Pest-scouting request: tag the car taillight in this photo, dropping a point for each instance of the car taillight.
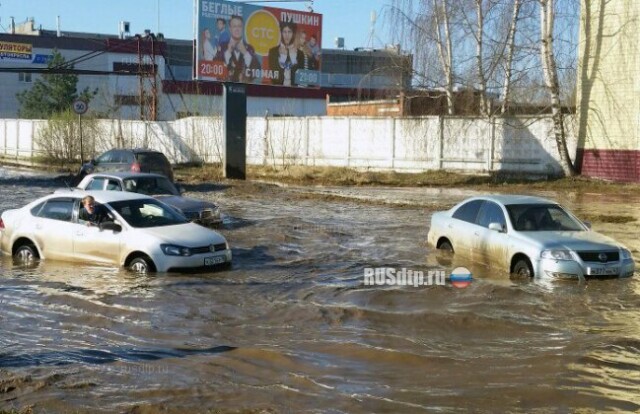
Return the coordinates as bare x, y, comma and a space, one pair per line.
1, 224
135, 167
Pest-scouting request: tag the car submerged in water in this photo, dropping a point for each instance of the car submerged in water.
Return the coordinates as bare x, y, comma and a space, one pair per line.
158, 186
140, 233
528, 236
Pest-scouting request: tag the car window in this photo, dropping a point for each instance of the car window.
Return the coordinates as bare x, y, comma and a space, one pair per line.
106, 157
147, 213
491, 213
150, 186
562, 220
96, 184
153, 158
113, 185
128, 157
57, 209
116, 157
35, 210
541, 217
469, 211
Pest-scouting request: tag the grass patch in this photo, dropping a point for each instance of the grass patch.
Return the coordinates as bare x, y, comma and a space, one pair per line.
339, 176
607, 218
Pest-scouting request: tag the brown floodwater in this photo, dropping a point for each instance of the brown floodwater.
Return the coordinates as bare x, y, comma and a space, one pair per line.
292, 328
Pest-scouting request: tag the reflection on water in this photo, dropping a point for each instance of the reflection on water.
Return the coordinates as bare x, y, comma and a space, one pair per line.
292, 327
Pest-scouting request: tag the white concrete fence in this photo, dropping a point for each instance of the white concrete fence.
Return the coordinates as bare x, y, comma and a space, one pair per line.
514, 144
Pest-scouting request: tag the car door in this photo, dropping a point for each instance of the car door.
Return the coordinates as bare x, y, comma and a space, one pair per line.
53, 228
93, 245
463, 225
490, 246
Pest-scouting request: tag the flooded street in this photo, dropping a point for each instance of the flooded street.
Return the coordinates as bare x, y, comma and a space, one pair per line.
292, 328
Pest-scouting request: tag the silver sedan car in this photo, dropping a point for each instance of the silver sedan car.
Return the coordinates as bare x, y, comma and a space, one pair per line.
157, 186
528, 236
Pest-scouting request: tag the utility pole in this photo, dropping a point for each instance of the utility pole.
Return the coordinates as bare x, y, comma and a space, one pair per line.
141, 80
154, 80
148, 72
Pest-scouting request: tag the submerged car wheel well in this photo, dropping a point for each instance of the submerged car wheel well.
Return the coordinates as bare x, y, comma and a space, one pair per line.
442, 240
22, 241
516, 258
135, 255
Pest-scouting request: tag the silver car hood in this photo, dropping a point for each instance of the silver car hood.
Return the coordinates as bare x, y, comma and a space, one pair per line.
187, 235
185, 203
571, 240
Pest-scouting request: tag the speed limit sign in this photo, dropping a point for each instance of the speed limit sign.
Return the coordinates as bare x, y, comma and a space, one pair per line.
80, 106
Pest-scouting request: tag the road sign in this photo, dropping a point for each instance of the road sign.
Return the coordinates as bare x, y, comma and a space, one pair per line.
80, 106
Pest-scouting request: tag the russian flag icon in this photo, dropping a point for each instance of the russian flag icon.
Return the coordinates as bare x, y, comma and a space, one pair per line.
461, 277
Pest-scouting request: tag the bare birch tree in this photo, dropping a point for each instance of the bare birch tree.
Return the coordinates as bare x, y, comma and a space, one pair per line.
482, 80
489, 47
508, 65
424, 26
445, 48
550, 72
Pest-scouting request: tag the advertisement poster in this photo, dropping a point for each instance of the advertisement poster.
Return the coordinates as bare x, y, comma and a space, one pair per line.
21, 52
246, 43
15, 51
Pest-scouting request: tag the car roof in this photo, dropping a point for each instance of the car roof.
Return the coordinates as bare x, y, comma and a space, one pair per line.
103, 196
125, 174
507, 199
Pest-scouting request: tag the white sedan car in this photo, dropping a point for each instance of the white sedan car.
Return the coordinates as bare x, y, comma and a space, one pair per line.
528, 236
141, 234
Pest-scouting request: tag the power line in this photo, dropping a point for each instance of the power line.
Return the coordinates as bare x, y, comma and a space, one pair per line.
93, 54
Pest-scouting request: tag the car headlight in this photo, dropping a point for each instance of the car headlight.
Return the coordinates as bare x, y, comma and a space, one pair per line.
173, 250
556, 254
625, 254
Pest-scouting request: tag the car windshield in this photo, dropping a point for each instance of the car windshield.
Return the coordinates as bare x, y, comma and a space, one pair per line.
150, 186
147, 213
542, 217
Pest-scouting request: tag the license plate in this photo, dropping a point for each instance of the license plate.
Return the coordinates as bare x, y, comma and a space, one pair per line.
602, 271
210, 261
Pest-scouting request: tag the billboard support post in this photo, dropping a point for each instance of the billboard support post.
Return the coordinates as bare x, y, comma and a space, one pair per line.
235, 131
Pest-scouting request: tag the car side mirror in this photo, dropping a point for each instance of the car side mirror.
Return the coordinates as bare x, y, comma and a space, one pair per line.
496, 227
111, 225
588, 224
180, 189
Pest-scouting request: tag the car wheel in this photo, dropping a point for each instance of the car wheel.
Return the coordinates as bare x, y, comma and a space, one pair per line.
26, 254
523, 268
141, 265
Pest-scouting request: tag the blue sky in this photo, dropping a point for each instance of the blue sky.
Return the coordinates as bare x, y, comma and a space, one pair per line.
350, 19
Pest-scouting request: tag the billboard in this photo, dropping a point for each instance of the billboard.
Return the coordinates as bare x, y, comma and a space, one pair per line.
15, 51
245, 43
21, 52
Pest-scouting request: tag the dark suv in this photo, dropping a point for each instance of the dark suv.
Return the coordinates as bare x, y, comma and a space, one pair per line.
134, 160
